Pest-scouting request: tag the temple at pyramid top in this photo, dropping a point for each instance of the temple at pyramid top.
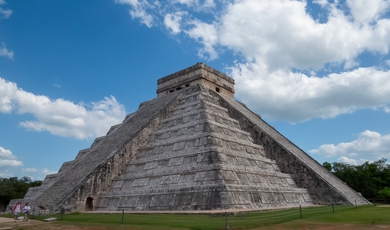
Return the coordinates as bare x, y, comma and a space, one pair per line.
199, 74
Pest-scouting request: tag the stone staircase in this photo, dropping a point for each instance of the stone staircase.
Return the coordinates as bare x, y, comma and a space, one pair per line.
201, 159
305, 161
192, 148
57, 188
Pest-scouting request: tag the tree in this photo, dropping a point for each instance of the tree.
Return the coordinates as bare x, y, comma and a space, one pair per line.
327, 165
370, 179
14, 188
384, 193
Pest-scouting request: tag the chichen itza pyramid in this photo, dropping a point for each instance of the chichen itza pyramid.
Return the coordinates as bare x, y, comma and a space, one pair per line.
194, 147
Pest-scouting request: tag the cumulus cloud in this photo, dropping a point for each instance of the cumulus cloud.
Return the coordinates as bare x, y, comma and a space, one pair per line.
151, 13
322, 3
368, 146
296, 97
294, 39
8, 163
47, 171
5, 52
207, 35
8, 159
365, 11
37, 173
59, 116
30, 170
269, 79
3, 48
196, 4
4, 13
289, 65
139, 10
172, 22
351, 161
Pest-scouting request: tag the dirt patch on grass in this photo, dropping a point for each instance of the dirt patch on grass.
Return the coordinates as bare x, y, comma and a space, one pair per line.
40, 225
9, 223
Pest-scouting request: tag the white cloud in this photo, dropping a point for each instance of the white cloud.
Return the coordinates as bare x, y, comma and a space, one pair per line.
365, 11
30, 170
187, 2
209, 3
196, 4
284, 95
5, 173
322, 3
4, 13
8, 162
59, 116
139, 10
172, 22
7, 159
5, 153
47, 171
351, 161
130, 2
369, 145
146, 18
207, 35
34, 173
293, 39
5, 52
151, 13
280, 47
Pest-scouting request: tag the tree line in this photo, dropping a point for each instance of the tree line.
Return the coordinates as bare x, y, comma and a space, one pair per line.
372, 180
14, 188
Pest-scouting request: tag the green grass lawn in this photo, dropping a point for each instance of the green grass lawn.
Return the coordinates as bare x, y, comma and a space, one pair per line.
290, 218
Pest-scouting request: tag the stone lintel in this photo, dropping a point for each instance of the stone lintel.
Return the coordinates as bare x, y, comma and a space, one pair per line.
199, 74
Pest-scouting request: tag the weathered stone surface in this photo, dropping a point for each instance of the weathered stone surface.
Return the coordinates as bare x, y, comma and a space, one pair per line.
192, 148
199, 74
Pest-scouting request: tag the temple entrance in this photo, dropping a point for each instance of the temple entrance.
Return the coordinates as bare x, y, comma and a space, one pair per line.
89, 204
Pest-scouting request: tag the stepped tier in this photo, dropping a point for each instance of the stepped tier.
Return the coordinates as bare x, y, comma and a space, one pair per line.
192, 148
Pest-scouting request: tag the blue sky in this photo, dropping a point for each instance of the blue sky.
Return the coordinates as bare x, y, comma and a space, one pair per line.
318, 71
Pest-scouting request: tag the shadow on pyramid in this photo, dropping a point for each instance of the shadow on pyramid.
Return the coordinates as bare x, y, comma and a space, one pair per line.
192, 148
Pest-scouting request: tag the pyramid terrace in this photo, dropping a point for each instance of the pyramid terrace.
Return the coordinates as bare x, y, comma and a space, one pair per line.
192, 148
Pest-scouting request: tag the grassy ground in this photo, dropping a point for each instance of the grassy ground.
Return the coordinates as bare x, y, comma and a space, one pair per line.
341, 217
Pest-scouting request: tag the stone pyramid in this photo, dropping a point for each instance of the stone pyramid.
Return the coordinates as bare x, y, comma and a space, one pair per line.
192, 148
